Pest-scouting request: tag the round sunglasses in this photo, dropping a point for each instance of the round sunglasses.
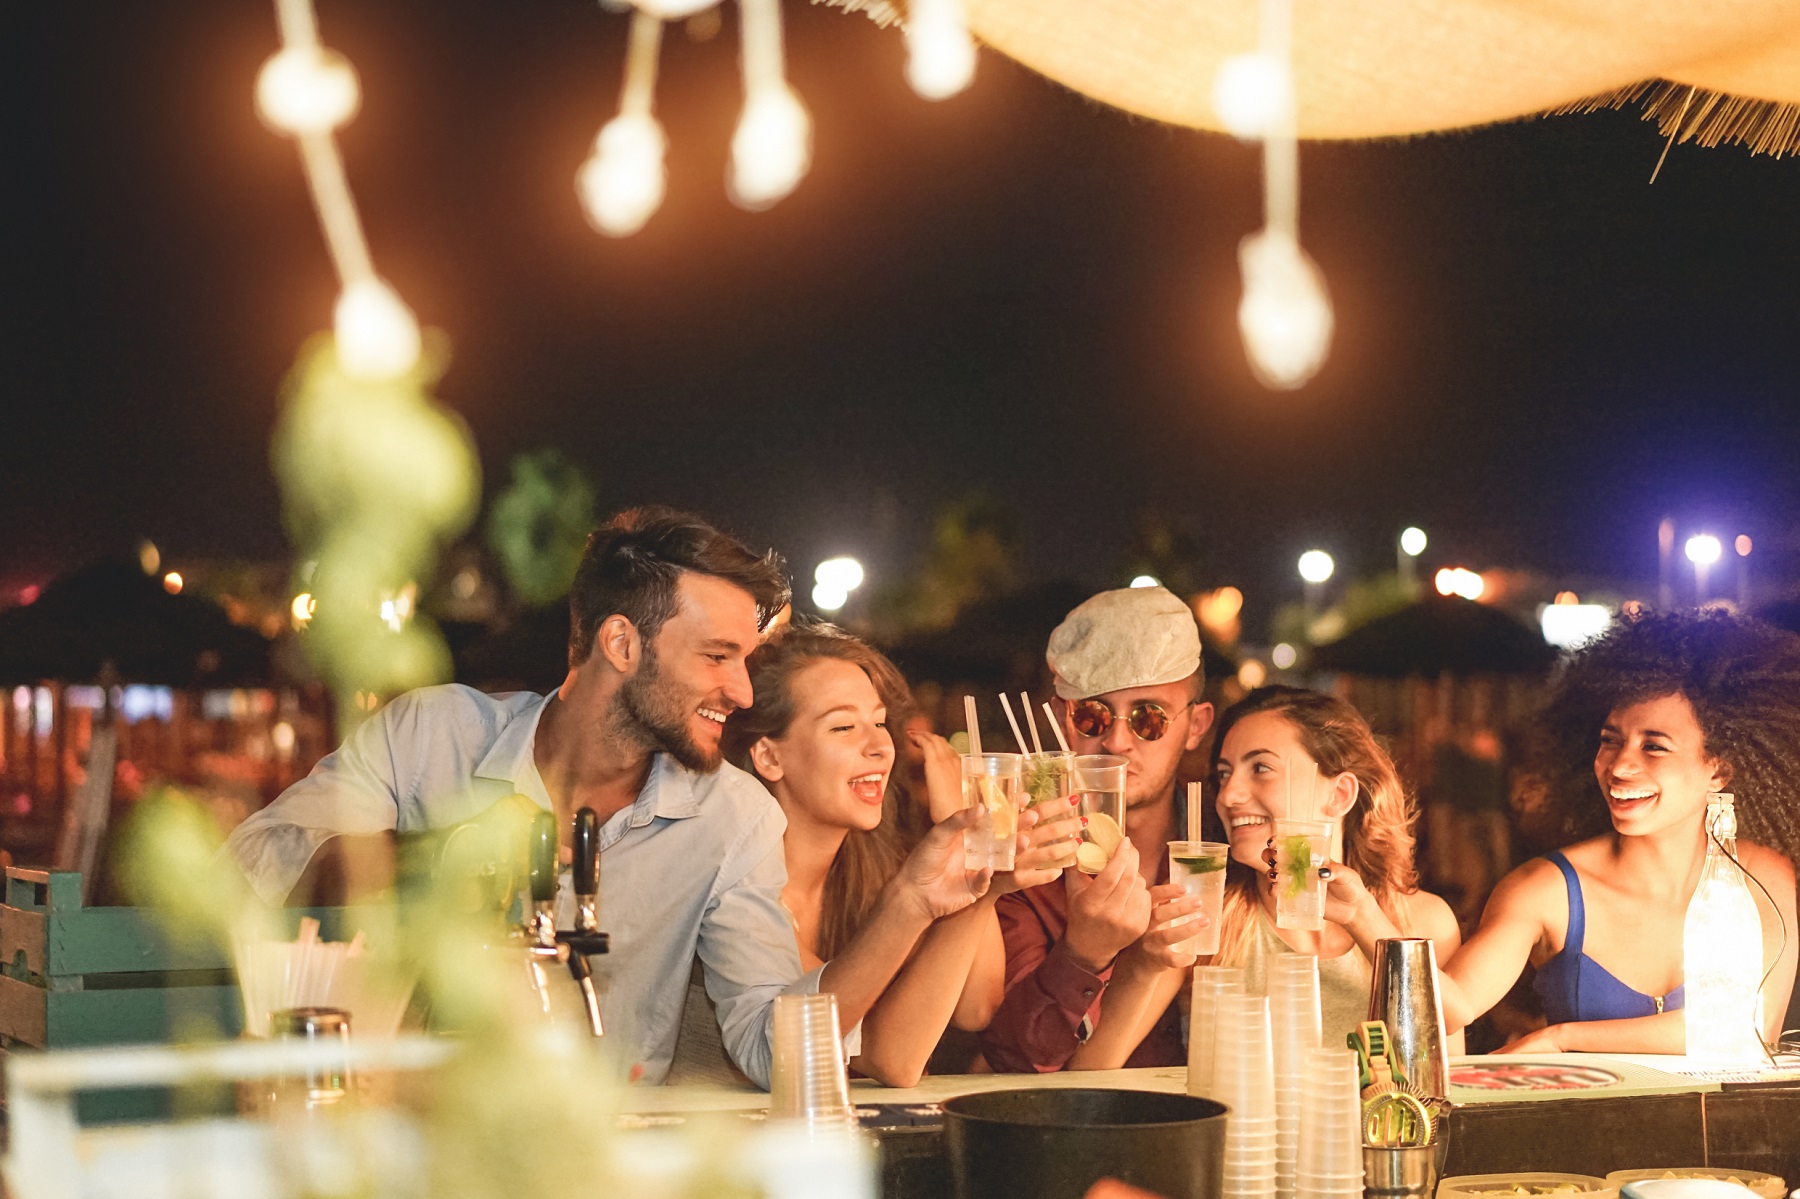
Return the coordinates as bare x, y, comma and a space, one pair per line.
1147, 719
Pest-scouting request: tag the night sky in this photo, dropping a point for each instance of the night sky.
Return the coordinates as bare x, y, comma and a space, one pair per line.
1538, 353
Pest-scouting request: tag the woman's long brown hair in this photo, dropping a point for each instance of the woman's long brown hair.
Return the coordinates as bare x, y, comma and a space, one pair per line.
866, 860
1378, 828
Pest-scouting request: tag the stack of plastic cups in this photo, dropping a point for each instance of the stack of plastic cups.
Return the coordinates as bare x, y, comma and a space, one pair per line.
808, 1085
1242, 1081
1330, 1164
1210, 982
1295, 1024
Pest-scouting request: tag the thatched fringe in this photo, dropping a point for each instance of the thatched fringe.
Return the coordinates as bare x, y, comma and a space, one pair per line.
882, 12
1689, 114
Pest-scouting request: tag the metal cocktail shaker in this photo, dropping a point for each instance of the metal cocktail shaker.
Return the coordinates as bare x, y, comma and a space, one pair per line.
1405, 996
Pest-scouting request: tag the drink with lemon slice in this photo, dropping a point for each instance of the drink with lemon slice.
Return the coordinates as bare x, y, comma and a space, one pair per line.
1097, 782
991, 784
1302, 847
1198, 867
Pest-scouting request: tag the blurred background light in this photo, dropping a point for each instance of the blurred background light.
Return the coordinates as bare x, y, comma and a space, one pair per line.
1316, 566
1569, 625
1412, 541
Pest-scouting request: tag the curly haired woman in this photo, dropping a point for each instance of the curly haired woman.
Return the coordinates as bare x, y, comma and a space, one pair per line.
1661, 713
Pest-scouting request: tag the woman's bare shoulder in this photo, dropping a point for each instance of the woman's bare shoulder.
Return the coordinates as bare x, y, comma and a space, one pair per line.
1431, 916
1770, 866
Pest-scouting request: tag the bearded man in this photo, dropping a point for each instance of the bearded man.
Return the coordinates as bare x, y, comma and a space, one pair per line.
663, 612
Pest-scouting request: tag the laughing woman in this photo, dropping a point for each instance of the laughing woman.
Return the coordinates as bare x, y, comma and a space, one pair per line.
818, 738
1647, 722
1283, 748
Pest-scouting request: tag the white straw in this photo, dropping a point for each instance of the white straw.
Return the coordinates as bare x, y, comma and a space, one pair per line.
1056, 728
1025, 702
1193, 811
1006, 706
973, 725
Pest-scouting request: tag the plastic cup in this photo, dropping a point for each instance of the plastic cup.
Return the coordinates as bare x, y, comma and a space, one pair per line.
1098, 786
1330, 1117
1210, 982
1241, 1074
991, 785
1198, 867
807, 1080
1301, 848
1046, 777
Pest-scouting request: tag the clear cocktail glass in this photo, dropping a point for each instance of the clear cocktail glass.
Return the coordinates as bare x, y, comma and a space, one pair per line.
1198, 868
1050, 776
991, 784
1098, 786
1302, 847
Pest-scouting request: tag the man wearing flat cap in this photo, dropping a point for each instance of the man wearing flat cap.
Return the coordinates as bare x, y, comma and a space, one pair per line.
1090, 968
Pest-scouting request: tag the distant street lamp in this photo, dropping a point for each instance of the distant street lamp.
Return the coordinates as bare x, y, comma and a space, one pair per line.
1316, 566
1412, 544
1742, 545
833, 581
1703, 549
1146, 581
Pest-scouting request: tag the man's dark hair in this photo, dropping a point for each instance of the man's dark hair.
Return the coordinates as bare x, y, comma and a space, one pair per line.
634, 561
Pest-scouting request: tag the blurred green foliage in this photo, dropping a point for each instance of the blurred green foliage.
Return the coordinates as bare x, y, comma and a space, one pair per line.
375, 477
539, 525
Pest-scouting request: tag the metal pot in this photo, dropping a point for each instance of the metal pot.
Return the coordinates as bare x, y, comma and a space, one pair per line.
1055, 1143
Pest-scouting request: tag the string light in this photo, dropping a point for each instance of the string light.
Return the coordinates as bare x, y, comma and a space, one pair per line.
622, 184
307, 89
772, 145
940, 54
1285, 314
377, 335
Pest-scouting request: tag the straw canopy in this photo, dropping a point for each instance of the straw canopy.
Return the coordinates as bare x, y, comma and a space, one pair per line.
1388, 68
1435, 635
111, 619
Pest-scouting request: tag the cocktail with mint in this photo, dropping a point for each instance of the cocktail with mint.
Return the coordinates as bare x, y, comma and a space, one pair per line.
1198, 867
1302, 847
1051, 776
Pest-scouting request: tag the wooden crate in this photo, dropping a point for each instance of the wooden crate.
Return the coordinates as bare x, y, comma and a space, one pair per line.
72, 975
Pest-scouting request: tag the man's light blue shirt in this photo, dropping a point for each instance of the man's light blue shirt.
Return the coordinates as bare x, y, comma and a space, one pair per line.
693, 867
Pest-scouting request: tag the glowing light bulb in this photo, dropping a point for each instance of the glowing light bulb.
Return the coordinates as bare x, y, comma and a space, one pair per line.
1252, 95
940, 54
377, 336
623, 183
307, 89
839, 574
1412, 541
771, 149
827, 598
1704, 549
1285, 315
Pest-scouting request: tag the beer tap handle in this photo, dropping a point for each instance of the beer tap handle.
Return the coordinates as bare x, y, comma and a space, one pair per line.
587, 871
541, 855
586, 937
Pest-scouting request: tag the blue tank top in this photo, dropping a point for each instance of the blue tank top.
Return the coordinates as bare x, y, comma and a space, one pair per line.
1573, 987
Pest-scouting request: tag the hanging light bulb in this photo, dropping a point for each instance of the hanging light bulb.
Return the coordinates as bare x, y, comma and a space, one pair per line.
377, 336
305, 89
771, 148
622, 184
940, 54
1722, 953
1252, 94
1285, 315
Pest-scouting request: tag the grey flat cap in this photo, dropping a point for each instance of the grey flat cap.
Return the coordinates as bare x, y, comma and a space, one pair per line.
1132, 637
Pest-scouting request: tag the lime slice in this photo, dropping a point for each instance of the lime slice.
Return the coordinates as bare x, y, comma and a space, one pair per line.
1298, 859
1201, 865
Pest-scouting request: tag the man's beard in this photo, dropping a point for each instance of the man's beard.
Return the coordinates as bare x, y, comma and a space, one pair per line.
653, 710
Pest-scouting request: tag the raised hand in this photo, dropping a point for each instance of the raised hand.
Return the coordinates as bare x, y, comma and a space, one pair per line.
933, 875
1156, 948
943, 773
1107, 912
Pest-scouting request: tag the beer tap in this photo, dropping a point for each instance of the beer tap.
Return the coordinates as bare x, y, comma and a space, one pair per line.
586, 937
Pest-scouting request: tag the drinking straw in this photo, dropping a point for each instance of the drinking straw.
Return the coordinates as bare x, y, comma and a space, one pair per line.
1312, 792
1193, 811
1006, 706
1056, 728
973, 725
1025, 702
